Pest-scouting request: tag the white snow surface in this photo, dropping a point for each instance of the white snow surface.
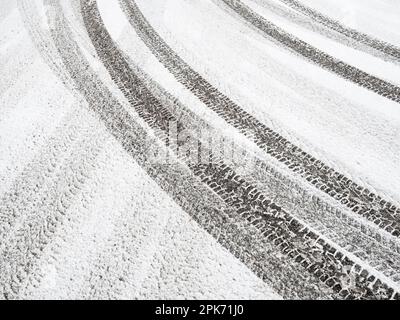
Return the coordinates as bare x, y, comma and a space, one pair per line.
122, 236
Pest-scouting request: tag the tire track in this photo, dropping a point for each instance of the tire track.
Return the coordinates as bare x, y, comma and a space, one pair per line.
14, 67
359, 239
382, 46
339, 116
295, 240
209, 211
94, 210
47, 213
258, 251
37, 204
342, 69
36, 178
358, 199
25, 128
41, 39
313, 211
340, 228
310, 24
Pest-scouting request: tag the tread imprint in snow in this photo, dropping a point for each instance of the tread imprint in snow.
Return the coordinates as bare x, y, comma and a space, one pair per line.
358, 199
296, 241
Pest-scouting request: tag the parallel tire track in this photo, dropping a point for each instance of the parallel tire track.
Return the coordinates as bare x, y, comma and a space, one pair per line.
311, 24
238, 236
35, 179
380, 254
295, 241
342, 230
320, 58
360, 37
29, 219
29, 240
358, 199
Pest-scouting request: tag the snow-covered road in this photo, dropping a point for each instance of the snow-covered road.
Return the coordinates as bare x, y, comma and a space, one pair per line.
199, 149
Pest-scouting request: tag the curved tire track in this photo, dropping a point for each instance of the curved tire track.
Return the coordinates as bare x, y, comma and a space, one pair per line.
358, 199
382, 46
295, 241
265, 237
309, 23
359, 239
342, 69
196, 199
